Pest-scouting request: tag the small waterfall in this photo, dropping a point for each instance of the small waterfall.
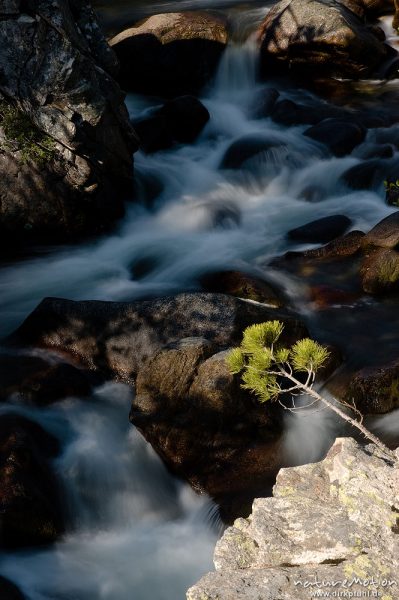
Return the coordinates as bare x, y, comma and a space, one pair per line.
238, 71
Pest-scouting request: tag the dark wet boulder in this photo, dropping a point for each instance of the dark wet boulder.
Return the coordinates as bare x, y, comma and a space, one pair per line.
153, 133
180, 120
117, 337
380, 271
243, 285
370, 151
265, 102
343, 246
30, 508
385, 234
248, 148
340, 136
66, 142
41, 381
322, 230
316, 38
193, 412
375, 390
365, 175
288, 112
171, 54
9, 591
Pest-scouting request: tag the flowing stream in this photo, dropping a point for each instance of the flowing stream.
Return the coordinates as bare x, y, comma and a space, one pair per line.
135, 533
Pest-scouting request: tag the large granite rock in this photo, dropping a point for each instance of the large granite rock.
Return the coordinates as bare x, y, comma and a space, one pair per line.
335, 522
118, 337
319, 37
66, 143
171, 54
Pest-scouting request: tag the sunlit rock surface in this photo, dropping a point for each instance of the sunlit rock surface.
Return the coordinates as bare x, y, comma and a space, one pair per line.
331, 525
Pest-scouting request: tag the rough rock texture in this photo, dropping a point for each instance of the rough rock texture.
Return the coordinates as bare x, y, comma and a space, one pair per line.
57, 85
117, 337
375, 390
30, 512
318, 37
333, 521
171, 54
369, 8
193, 412
385, 234
380, 271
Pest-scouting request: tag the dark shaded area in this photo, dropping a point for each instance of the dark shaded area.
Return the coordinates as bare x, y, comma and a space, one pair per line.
176, 68
39, 205
340, 137
30, 508
41, 382
9, 591
322, 230
180, 120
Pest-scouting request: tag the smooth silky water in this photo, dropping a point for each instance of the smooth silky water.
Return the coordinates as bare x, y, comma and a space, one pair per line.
134, 532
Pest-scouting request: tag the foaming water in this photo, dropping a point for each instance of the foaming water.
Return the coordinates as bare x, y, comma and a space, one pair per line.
203, 217
134, 531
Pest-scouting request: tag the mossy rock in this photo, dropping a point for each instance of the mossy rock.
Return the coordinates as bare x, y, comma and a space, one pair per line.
22, 135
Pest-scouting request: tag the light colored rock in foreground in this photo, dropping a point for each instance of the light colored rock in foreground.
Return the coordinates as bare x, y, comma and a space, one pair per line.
331, 530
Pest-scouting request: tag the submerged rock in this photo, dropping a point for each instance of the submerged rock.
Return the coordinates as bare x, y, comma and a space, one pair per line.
117, 337
30, 509
340, 136
171, 54
240, 153
178, 121
66, 143
324, 523
315, 37
321, 230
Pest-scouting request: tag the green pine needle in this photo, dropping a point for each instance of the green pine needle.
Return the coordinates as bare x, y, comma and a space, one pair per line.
308, 355
235, 361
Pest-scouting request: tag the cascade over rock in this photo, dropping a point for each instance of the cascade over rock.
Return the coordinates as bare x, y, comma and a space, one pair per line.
171, 54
